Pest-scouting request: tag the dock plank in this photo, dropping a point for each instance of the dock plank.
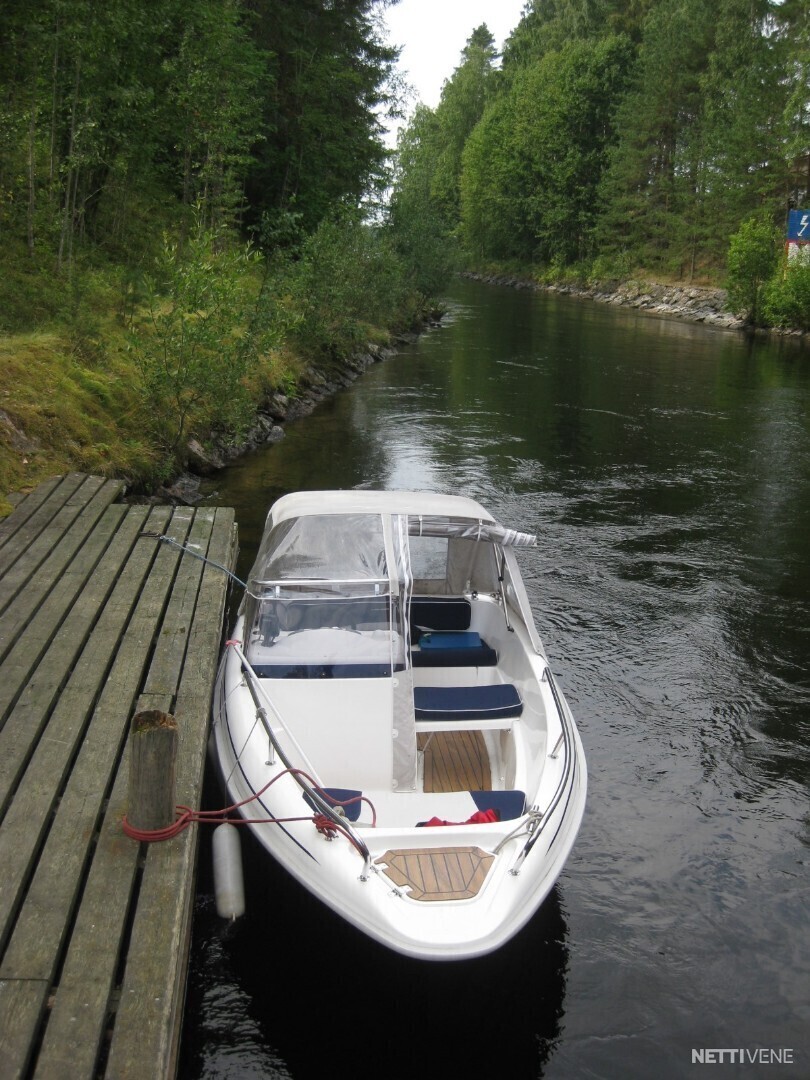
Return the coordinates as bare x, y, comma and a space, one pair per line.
24, 507
167, 665
94, 927
27, 521
40, 535
35, 572
22, 1004
74, 1038
76, 664
31, 641
140, 1041
36, 937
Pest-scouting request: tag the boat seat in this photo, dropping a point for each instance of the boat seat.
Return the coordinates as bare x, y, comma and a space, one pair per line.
509, 804
475, 708
452, 648
439, 613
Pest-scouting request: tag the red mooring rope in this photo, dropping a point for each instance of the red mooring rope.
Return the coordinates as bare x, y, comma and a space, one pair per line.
187, 816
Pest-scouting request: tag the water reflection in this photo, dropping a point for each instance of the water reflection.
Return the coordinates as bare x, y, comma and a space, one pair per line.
292, 991
666, 470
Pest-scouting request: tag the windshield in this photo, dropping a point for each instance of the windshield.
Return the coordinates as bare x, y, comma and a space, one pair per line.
323, 547
320, 602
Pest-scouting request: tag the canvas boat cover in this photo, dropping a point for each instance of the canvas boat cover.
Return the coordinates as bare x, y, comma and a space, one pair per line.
348, 546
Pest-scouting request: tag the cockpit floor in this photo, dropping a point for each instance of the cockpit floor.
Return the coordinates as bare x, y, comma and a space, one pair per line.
455, 761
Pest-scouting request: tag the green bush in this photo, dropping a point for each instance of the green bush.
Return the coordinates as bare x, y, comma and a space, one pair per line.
786, 302
608, 269
196, 340
347, 282
753, 257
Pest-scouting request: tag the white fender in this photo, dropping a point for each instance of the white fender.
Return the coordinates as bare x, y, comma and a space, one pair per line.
229, 885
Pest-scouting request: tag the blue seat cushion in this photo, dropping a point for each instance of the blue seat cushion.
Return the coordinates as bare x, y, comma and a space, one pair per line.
509, 804
453, 648
497, 702
483, 656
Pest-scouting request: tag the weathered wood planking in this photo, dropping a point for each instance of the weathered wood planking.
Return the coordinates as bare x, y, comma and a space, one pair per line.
30, 504
47, 553
98, 560
95, 928
25, 506
138, 1039
62, 692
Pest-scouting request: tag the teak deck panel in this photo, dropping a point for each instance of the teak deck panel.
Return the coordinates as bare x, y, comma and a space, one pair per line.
455, 761
98, 621
451, 873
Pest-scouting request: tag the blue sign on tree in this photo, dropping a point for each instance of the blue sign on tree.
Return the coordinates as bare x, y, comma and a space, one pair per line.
798, 225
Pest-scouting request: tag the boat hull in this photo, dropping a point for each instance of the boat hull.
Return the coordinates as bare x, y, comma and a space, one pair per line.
369, 893
381, 631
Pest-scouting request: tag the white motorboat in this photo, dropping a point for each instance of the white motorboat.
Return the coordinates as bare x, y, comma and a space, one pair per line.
387, 716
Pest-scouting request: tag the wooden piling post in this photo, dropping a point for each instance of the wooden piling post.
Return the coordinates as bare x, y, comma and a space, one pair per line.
152, 768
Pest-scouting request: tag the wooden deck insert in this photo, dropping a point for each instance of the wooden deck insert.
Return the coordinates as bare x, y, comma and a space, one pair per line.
98, 621
451, 873
455, 761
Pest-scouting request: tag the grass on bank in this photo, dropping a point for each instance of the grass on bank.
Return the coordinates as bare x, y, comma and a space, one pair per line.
78, 406
114, 373
63, 409
71, 390
599, 273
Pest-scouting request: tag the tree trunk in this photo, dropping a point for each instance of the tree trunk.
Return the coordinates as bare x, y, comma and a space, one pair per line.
69, 199
32, 164
54, 106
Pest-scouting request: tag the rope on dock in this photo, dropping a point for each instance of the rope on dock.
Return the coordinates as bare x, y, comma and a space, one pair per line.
186, 816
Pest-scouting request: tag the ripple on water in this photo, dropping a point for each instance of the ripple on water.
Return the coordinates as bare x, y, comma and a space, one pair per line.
666, 473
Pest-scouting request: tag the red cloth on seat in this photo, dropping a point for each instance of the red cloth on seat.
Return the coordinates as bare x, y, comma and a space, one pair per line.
480, 817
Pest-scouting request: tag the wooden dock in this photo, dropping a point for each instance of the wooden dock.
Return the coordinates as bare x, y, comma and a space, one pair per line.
98, 621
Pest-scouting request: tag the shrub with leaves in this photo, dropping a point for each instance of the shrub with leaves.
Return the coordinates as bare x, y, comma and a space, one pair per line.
753, 257
195, 342
347, 281
786, 302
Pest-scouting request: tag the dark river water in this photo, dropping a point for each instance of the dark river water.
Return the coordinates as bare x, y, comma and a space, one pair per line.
666, 470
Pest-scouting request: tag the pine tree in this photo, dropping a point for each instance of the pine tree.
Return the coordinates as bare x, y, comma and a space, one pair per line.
545, 149
653, 191
331, 75
464, 97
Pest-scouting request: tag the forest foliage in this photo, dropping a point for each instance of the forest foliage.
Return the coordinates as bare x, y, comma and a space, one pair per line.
196, 194
116, 114
618, 138
190, 196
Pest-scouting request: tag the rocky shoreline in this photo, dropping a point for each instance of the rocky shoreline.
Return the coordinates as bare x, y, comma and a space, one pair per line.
315, 385
691, 302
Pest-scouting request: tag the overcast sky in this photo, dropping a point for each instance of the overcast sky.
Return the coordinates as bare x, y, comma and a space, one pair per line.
432, 34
